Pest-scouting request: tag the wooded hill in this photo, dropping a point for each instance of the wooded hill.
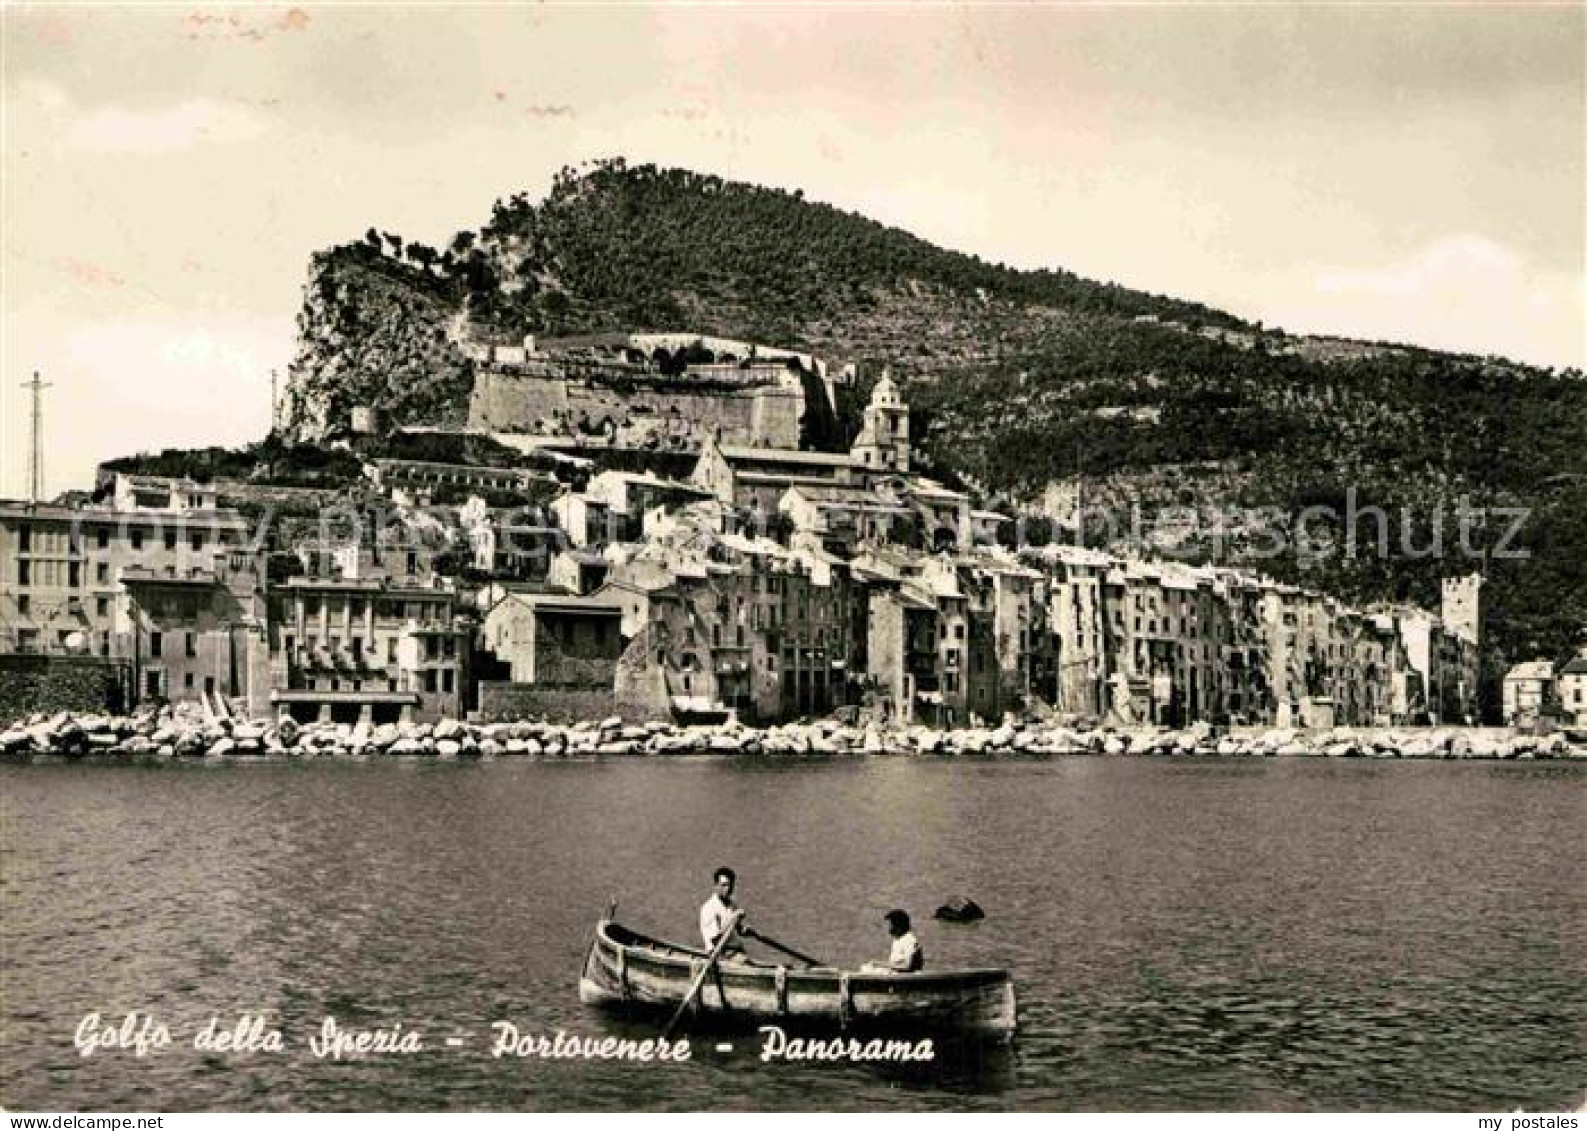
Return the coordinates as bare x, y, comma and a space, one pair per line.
1017, 379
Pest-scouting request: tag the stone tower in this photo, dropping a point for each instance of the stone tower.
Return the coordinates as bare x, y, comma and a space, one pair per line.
883, 442
1462, 607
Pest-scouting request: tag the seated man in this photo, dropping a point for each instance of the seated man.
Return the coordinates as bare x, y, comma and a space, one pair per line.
717, 915
906, 957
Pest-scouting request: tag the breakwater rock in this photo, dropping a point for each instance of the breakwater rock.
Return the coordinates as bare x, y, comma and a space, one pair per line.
185, 733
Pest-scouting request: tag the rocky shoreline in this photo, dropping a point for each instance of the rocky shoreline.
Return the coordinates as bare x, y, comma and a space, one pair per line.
189, 734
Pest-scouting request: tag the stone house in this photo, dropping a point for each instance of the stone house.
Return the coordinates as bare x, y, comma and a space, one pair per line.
1529, 693
1573, 690
556, 639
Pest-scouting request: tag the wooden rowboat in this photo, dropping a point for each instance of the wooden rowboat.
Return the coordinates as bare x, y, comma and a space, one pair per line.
627, 972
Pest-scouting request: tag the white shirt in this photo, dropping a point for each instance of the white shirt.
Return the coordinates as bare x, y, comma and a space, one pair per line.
714, 919
905, 955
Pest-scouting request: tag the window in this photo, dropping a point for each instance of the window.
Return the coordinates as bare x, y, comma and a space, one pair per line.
196, 541
137, 539
24, 537
74, 574
187, 680
102, 572
24, 573
154, 643
191, 645
24, 605
102, 606
102, 539
170, 540
446, 681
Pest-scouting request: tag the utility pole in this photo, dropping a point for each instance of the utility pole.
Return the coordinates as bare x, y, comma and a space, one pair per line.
36, 451
273, 413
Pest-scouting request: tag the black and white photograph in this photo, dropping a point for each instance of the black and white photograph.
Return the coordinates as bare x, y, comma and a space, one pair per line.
793, 557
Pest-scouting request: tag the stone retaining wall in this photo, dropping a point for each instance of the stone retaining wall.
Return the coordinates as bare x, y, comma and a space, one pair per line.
31, 683
509, 702
184, 732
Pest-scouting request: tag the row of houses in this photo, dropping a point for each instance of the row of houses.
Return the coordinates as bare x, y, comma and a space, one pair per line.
773, 583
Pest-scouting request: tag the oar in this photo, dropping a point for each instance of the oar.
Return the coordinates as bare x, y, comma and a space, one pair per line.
699, 979
786, 949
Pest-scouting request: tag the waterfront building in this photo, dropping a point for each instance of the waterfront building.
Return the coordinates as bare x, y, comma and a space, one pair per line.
1075, 626
200, 632
161, 581
1529, 693
1242, 637
368, 633
738, 623
901, 651
1573, 689
556, 639
1009, 598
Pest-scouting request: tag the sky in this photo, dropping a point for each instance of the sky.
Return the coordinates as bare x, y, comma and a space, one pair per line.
1391, 172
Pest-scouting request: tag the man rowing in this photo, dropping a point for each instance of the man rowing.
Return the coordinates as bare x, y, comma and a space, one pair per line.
718, 915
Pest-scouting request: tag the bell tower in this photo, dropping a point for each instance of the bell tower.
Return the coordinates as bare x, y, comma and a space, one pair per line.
883, 442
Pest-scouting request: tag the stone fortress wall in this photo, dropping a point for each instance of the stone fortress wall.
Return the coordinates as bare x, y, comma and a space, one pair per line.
666, 418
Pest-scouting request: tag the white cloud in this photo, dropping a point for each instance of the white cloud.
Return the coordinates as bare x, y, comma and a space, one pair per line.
165, 129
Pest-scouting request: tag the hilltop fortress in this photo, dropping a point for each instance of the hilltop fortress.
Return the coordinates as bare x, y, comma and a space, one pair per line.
665, 392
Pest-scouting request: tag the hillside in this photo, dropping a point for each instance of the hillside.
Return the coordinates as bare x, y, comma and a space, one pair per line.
1018, 380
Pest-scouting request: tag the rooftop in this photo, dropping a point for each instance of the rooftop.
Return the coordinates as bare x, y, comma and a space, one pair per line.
739, 454
591, 605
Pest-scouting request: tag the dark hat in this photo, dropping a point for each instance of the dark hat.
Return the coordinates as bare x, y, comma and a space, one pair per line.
897, 918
